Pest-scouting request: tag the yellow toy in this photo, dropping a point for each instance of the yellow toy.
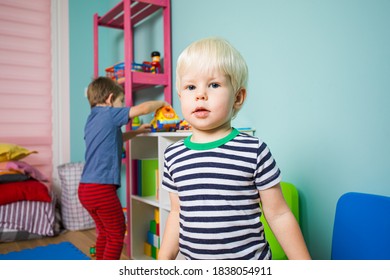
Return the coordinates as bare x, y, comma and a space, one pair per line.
184, 125
165, 119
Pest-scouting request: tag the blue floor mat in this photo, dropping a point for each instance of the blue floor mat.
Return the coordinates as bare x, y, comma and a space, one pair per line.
61, 251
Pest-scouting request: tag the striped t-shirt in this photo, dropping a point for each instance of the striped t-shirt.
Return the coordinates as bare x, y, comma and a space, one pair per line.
217, 184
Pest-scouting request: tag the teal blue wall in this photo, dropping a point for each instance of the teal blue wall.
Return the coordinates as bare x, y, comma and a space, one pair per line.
318, 93
81, 65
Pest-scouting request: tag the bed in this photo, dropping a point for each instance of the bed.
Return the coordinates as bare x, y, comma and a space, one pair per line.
28, 206
24, 220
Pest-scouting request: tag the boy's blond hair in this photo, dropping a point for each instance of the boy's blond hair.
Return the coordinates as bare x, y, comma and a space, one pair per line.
100, 89
214, 53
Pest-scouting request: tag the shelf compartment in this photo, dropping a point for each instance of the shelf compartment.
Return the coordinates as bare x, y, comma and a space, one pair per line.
150, 200
142, 80
141, 215
147, 147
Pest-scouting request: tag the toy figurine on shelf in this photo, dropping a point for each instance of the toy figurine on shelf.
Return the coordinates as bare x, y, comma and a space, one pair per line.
156, 66
165, 119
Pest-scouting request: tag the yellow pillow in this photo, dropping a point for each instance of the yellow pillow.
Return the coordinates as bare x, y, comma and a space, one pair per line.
13, 152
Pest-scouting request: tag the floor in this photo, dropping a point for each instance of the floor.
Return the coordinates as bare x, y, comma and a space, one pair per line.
81, 239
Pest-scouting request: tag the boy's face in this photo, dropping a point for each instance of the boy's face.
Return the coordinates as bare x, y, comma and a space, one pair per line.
207, 99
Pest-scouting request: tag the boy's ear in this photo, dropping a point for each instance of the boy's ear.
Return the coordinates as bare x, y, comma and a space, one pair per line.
239, 98
109, 100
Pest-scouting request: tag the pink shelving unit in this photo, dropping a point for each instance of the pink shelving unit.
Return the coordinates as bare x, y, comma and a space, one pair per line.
124, 16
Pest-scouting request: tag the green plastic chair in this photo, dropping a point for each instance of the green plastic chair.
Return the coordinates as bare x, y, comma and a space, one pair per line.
290, 194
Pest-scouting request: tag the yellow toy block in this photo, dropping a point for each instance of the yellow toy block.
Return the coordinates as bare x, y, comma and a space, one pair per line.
157, 215
147, 249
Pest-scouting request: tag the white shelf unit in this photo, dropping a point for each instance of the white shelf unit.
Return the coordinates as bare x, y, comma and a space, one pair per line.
148, 146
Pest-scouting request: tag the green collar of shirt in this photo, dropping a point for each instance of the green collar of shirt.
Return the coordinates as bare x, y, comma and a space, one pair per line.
210, 145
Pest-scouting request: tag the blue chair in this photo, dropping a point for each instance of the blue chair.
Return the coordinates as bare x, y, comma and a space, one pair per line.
361, 228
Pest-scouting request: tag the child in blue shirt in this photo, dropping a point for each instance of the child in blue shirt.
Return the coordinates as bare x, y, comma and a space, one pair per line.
101, 175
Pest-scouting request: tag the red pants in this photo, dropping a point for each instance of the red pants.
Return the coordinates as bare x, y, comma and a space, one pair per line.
102, 203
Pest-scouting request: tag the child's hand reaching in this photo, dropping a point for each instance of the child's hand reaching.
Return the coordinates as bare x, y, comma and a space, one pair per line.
144, 128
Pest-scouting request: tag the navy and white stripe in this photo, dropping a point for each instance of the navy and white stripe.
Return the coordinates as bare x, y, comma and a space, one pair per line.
219, 198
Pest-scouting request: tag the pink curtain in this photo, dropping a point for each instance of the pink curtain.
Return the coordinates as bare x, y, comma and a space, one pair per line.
25, 79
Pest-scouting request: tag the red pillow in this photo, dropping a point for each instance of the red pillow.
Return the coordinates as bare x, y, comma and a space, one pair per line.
32, 190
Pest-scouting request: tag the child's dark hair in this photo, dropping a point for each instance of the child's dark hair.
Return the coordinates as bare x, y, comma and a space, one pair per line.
101, 88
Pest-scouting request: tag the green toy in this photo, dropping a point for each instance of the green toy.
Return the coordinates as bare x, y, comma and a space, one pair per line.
92, 251
135, 123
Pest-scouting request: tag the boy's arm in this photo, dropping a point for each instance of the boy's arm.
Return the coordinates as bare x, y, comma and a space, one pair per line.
170, 242
144, 128
146, 108
283, 223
